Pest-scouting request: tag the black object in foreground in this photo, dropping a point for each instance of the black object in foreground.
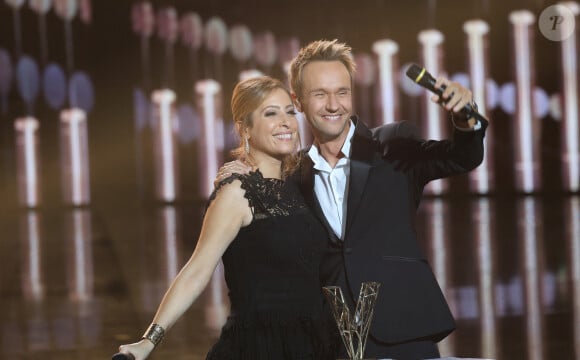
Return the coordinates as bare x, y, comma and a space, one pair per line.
121, 356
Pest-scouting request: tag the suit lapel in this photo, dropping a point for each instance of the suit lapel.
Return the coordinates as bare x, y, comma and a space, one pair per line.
361, 158
307, 189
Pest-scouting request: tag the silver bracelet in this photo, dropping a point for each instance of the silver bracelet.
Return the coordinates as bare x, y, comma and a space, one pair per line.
154, 334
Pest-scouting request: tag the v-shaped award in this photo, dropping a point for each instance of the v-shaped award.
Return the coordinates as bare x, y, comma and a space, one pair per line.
353, 328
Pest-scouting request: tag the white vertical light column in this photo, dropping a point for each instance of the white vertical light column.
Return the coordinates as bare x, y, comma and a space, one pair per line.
530, 240
486, 257
165, 145
526, 132
481, 179
27, 162
387, 51
570, 128
573, 236
32, 275
75, 157
209, 105
80, 254
435, 125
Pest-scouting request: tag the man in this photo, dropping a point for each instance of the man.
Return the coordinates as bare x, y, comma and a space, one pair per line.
365, 186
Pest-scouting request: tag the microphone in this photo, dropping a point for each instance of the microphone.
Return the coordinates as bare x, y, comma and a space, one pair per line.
423, 78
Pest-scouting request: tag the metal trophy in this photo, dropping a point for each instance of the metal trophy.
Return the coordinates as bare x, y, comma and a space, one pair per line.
353, 329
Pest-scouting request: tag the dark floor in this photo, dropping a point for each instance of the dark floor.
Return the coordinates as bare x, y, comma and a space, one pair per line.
76, 283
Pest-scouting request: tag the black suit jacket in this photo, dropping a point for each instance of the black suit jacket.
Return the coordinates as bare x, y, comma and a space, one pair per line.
390, 166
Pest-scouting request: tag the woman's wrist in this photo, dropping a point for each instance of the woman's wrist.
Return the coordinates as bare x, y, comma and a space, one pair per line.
154, 334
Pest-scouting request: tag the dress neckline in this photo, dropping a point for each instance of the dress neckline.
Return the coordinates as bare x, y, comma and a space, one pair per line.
259, 174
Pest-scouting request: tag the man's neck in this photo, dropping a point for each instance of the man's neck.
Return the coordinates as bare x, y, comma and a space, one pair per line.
331, 152
331, 149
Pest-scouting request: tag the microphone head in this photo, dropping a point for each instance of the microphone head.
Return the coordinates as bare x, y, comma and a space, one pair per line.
420, 76
414, 71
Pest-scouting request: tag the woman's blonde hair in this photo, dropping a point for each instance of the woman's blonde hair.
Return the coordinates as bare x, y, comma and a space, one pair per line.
246, 98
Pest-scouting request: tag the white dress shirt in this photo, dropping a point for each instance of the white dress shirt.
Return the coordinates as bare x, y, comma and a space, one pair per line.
331, 184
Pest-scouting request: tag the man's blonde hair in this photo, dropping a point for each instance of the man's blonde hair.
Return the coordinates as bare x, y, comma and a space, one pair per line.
321, 50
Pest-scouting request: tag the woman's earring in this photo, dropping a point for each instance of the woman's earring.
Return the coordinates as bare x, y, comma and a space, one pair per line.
246, 146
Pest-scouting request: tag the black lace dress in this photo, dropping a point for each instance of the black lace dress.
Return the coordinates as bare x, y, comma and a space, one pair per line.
271, 269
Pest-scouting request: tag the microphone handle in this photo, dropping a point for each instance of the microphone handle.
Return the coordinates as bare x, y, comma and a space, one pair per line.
121, 356
467, 109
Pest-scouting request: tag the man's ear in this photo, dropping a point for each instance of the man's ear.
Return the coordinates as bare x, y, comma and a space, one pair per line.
296, 102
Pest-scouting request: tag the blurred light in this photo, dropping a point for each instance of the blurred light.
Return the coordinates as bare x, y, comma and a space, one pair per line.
80, 267
249, 74
556, 107
33, 279
191, 30
28, 163
492, 94
436, 124
481, 179
570, 129
208, 103
216, 36
189, 124
573, 236
265, 49
241, 45
507, 98
165, 147
526, 129
75, 157
530, 227
408, 86
486, 260
387, 51
541, 103
462, 79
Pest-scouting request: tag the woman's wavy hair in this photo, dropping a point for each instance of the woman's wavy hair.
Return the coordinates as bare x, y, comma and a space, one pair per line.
246, 98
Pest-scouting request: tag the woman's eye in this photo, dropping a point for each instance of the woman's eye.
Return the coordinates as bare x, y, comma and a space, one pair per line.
270, 113
291, 112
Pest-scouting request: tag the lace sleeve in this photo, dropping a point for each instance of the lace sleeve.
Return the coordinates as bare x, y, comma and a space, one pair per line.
246, 185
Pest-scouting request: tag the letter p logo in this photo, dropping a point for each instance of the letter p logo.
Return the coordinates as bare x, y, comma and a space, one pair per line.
557, 22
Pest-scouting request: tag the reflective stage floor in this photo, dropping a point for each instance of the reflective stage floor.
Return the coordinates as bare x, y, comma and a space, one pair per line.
76, 283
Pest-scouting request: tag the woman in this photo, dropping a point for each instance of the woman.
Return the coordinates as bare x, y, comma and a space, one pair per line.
269, 242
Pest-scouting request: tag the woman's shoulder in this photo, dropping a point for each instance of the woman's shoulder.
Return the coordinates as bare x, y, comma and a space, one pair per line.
230, 187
